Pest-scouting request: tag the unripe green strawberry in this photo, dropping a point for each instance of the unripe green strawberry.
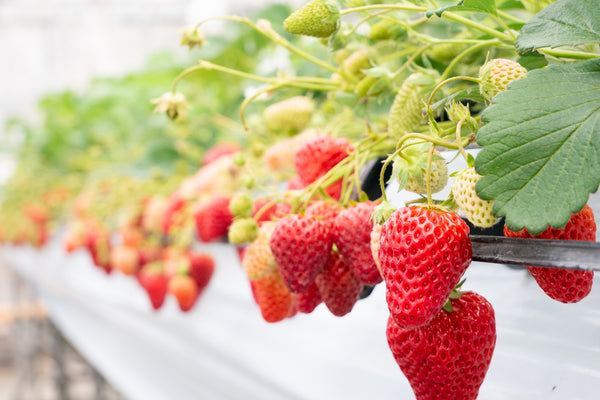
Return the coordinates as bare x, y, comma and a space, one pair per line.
386, 30
241, 205
289, 114
477, 210
496, 74
318, 18
356, 62
242, 230
445, 52
411, 169
406, 113
371, 86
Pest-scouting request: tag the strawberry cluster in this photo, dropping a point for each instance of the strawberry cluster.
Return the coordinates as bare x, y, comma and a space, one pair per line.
153, 242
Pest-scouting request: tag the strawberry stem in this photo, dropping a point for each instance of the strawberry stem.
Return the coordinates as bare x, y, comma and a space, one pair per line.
459, 140
428, 175
459, 57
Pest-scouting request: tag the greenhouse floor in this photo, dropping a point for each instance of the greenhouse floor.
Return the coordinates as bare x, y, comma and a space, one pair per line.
36, 363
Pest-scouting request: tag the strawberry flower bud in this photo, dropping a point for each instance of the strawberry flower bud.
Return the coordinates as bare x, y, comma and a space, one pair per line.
192, 37
173, 104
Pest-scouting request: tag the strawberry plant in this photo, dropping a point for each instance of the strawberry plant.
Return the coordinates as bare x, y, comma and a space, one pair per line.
402, 82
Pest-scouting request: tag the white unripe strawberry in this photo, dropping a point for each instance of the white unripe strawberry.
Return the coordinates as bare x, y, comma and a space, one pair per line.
496, 74
475, 209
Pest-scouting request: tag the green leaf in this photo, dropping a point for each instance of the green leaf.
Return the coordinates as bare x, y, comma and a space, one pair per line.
564, 23
541, 148
485, 6
532, 60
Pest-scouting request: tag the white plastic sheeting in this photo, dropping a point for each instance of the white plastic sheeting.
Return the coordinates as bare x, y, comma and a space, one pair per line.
224, 350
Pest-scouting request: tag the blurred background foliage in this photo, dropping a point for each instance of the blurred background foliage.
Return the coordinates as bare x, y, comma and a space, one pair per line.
108, 132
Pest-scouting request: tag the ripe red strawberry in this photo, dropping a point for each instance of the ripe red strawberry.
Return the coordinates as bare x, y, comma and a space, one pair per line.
98, 244
564, 285
175, 204
339, 285
375, 238
272, 297
449, 357
202, 267
185, 290
301, 247
352, 236
318, 155
213, 218
175, 261
307, 301
326, 210
423, 255
154, 281
38, 213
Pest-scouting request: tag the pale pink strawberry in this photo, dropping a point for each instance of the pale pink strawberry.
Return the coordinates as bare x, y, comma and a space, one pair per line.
258, 259
295, 183
219, 150
125, 259
375, 239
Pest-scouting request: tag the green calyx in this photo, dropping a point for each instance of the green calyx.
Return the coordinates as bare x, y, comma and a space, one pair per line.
382, 212
409, 168
318, 18
455, 294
